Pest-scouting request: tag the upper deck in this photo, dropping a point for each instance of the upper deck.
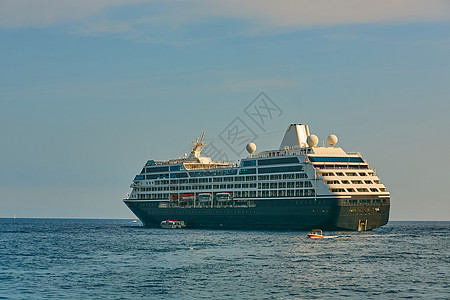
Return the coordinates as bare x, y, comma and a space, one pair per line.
294, 170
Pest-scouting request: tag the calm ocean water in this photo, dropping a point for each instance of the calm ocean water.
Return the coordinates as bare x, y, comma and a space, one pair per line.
118, 259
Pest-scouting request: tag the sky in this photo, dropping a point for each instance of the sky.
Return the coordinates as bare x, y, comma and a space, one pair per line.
89, 90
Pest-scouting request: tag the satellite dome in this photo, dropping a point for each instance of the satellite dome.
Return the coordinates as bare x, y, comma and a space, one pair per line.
312, 140
332, 140
251, 147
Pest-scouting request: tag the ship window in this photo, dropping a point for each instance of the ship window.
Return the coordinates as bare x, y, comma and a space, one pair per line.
376, 201
340, 174
353, 201
364, 201
177, 168
157, 169
150, 163
345, 182
374, 190
280, 169
327, 174
213, 173
336, 159
263, 177
139, 177
309, 192
278, 161
248, 171
288, 176
361, 190
178, 175
368, 182
351, 190
356, 181
332, 181
248, 163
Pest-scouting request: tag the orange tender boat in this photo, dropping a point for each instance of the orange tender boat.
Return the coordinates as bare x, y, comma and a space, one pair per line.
315, 234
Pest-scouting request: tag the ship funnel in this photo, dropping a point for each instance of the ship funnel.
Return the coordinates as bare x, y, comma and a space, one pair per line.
295, 137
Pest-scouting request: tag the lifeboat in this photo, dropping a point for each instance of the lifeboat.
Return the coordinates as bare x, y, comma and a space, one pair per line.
172, 224
315, 234
187, 196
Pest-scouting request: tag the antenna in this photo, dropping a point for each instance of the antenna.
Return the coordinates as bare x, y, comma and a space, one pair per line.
203, 135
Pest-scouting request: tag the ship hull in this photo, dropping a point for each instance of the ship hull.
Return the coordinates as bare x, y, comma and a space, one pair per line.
267, 214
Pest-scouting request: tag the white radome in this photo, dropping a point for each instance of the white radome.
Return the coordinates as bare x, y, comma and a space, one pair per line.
312, 140
251, 147
332, 140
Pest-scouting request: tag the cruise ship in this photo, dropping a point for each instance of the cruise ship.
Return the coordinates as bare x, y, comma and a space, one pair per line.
298, 186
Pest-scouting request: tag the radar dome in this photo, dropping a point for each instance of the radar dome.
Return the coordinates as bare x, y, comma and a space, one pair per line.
332, 140
312, 140
251, 147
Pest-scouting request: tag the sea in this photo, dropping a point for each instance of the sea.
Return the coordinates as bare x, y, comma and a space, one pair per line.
120, 259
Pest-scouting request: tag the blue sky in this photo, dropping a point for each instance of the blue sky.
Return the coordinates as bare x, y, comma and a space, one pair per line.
90, 89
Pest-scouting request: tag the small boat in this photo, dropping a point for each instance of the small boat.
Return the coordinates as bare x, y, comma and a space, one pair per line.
172, 224
315, 234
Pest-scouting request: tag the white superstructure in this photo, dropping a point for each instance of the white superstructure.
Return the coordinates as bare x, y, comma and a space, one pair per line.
299, 168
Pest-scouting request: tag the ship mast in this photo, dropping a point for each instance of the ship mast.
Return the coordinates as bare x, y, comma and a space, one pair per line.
197, 148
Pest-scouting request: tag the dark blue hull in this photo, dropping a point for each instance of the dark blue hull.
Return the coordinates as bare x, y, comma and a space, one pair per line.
268, 214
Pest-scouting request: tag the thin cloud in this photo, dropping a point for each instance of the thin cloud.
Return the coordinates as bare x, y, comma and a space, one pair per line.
305, 13
29, 13
260, 15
